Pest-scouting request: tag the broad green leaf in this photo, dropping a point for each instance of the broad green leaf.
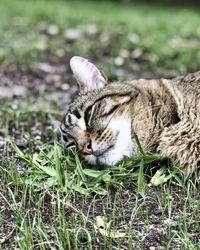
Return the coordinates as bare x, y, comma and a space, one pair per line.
100, 175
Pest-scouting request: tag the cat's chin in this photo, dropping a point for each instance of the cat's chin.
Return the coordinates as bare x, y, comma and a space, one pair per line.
110, 157
102, 160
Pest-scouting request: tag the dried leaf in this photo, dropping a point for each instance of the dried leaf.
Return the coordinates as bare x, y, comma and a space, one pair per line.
103, 228
159, 178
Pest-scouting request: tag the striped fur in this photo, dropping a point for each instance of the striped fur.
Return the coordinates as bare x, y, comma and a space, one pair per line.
165, 115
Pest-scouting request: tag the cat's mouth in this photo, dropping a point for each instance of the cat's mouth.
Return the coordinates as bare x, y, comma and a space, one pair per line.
114, 153
101, 153
106, 157
101, 158
97, 157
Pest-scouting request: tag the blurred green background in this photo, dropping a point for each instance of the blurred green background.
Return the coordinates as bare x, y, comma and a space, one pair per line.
127, 38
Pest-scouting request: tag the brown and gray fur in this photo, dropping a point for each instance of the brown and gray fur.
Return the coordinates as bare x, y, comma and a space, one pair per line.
165, 115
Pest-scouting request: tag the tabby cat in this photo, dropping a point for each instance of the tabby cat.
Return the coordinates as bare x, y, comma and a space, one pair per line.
164, 114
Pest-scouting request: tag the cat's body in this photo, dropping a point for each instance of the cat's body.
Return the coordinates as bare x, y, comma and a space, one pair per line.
165, 115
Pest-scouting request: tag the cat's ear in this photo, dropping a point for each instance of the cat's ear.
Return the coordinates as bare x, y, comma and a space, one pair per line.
87, 74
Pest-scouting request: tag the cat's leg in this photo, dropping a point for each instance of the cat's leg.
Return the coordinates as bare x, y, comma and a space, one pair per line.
181, 144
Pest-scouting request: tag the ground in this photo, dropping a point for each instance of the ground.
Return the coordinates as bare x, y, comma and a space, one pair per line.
49, 197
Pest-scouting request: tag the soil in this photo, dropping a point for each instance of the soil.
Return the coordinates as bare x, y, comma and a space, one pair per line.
51, 87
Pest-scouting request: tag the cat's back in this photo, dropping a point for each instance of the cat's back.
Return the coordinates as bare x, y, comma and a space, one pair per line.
192, 79
186, 92
189, 85
183, 91
183, 83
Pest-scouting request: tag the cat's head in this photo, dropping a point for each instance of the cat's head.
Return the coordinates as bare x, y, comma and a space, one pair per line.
99, 119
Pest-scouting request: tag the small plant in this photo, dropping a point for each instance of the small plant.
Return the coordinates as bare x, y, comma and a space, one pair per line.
56, 166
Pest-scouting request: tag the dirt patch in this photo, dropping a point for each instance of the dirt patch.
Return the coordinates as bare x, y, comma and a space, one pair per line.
31, 102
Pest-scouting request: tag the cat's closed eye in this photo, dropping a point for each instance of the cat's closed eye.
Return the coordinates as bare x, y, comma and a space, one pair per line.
88, 113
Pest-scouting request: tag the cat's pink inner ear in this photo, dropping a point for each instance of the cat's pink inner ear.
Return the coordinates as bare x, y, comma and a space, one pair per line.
87, 74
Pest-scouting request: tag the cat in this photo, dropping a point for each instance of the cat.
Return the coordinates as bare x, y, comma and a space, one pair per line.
163, 113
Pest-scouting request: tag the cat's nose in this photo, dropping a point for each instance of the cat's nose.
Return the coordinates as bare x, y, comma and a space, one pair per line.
87, 148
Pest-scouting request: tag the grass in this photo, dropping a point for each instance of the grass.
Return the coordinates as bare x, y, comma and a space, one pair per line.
49, 197
56, 166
